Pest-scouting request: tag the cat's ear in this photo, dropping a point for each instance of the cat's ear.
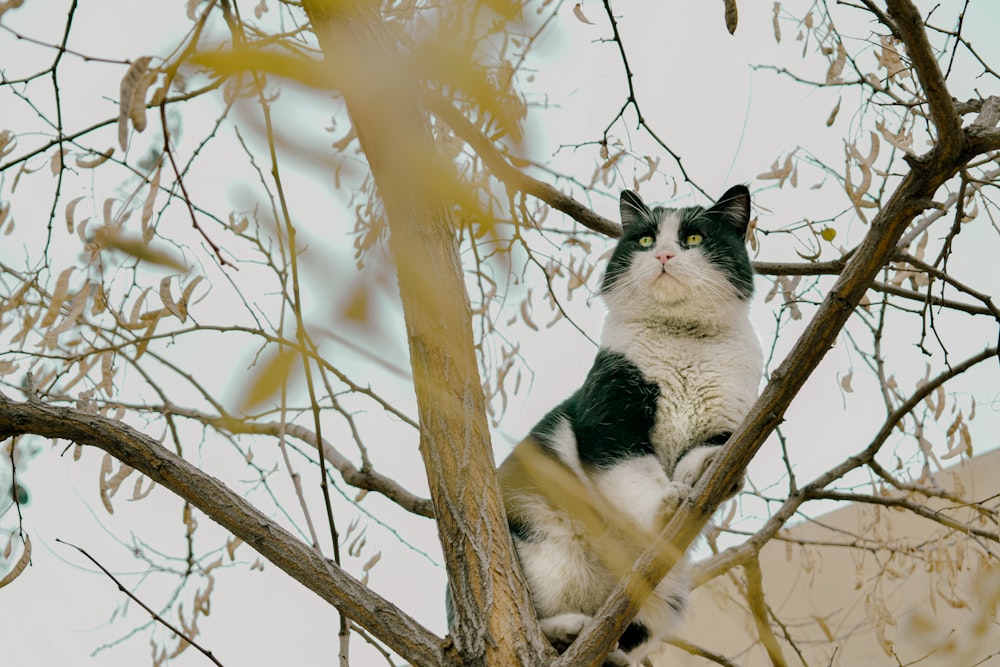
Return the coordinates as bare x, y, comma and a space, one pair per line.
633, 209
734, 207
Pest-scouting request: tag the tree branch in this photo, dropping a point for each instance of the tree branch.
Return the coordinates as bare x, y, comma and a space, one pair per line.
485, 583
156, 617
759, 611
916, 188
910, 28
717, 564
513, 177
383, 619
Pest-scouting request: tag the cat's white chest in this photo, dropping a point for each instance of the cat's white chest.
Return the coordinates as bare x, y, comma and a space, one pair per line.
707, 384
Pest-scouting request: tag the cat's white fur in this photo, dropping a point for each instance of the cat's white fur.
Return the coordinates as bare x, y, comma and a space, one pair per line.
684, 324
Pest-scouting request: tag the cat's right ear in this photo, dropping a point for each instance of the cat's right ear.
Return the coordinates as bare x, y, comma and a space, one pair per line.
633, 209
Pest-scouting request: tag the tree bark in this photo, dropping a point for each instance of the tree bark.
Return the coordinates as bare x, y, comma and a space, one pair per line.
495, 621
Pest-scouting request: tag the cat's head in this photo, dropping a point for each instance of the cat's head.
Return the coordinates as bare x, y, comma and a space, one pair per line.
681, 261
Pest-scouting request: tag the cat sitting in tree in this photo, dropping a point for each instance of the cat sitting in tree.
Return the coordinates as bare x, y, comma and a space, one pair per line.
677, 370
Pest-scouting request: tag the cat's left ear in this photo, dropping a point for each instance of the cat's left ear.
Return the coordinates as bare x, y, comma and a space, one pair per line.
734, 207
633, 209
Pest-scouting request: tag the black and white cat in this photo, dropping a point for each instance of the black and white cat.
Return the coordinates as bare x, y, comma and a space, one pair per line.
678, 369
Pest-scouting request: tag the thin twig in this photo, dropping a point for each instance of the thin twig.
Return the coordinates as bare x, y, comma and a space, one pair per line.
156, 617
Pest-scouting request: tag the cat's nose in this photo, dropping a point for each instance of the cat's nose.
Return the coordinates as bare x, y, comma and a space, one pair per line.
664, 256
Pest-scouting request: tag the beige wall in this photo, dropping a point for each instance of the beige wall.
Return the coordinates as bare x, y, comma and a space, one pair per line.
922, 599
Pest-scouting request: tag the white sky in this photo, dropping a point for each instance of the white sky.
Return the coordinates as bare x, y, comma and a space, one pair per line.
696, 86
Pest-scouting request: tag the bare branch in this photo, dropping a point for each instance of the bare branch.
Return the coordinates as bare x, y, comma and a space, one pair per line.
878, 247
365, 607
717, 564
156, 617
758, 608
366, 479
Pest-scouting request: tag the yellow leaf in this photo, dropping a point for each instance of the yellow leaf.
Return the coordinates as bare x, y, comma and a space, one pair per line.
312, 73
271, 375
356, 308
828, 233
136, 248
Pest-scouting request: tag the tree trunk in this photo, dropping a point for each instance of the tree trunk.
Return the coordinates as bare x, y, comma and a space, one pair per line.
494, 618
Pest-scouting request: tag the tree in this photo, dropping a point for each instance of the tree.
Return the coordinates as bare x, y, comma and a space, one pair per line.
117, 342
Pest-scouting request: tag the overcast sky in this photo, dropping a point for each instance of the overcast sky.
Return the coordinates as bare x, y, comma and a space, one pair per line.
698, 88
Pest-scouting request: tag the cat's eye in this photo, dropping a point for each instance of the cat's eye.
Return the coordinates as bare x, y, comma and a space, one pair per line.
646, 241
694, 239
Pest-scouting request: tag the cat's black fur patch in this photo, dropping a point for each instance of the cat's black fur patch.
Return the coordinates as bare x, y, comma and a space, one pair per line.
635, 634
612, 414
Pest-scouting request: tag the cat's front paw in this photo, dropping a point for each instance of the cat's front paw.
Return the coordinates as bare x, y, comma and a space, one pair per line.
562, 629
617, 658
694, 464
674, 494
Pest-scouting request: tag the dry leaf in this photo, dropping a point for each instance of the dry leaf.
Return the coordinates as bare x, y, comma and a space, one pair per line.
168, 300
833, 114
138, 493
231, 545
58, 297
732, 16
70, 209
132, 101
106, 467
8, 142
271, 375
135, 247
526, 313
147, 206
578, 13
833, 74
56, 162
96, 161
21, 563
